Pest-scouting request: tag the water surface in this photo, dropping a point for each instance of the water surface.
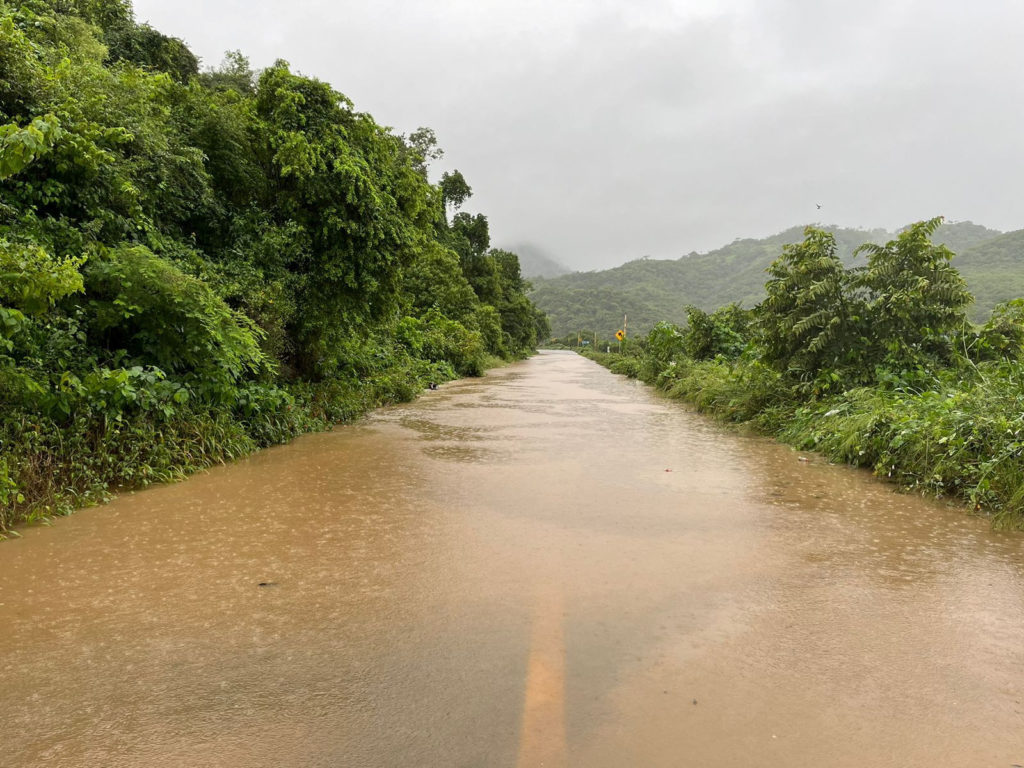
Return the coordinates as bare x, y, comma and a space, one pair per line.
548, 566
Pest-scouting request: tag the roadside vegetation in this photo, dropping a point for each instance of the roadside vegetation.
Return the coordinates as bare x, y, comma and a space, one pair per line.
195, 264
875, 366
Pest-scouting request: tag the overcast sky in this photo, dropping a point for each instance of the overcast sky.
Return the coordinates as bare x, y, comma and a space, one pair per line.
606, 130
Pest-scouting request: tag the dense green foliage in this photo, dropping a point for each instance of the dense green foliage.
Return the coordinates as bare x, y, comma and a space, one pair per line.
875, 365
830, 327
653, 290
195, 264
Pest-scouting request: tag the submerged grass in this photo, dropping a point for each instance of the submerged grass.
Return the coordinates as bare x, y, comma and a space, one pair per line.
962, 437
49, 469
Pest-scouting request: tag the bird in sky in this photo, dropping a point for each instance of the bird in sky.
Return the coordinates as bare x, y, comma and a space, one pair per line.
819, 206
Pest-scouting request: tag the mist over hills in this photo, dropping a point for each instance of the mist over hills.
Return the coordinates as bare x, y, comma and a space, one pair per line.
651, 290
535, 262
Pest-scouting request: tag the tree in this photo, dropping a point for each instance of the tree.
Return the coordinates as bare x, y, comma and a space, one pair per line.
435, 280
806, 322
350, 186
916, 299
664, 343
724, 332
470, 234
144, 307
423, 142
894, 319
454, 191
143, 46
105, 14
235, 73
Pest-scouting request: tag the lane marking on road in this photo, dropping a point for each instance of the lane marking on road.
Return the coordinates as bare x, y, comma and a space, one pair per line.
542, 740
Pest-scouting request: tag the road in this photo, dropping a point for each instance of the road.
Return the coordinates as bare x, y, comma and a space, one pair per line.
548, 566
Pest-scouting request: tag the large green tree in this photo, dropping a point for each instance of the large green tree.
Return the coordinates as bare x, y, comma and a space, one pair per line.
897, 318
916, 300
807, 324
362, 208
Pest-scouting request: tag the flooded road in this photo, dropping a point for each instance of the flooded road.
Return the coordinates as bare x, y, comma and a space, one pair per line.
549, 566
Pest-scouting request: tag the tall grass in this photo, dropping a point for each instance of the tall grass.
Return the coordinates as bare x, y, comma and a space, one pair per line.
961, 437
49, 468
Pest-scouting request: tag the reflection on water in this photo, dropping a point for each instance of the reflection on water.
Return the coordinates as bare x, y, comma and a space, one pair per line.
549, 565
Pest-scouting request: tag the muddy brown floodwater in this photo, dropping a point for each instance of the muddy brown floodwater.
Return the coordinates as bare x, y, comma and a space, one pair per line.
548, 566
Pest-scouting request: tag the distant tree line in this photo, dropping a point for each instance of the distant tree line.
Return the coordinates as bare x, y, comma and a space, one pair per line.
655, 290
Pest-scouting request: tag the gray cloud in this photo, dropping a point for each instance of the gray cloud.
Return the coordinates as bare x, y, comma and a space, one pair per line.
604, 130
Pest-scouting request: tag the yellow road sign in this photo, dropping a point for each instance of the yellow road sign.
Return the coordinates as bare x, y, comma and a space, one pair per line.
620, 335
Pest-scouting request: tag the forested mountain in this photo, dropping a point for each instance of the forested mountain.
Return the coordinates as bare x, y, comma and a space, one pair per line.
653, 290
194, 264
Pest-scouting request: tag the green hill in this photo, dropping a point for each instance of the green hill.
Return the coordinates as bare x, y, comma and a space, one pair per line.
994, 270
961, 235
650, 290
